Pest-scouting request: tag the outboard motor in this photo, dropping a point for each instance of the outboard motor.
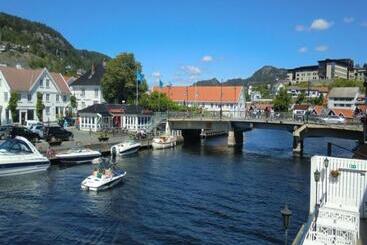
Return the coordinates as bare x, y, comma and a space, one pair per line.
113, 154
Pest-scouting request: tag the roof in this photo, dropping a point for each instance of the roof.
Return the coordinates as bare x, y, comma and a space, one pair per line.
320, 89
305, 68
93, 77
225, 94
318, 109
346, 113
300, 107
24, 79
344, 92
112, 109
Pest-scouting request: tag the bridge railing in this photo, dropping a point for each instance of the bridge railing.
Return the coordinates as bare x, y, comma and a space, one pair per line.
264, 116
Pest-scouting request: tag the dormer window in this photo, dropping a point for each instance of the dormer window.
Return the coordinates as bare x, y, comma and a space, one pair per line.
41, 83
47, 83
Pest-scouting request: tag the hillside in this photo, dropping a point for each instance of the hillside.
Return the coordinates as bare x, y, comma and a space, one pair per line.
266, 74
35, 45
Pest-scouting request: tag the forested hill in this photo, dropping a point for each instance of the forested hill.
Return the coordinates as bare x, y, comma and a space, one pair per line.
266, 74
35, 45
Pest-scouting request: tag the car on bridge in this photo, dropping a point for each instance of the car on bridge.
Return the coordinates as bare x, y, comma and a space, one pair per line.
332, 120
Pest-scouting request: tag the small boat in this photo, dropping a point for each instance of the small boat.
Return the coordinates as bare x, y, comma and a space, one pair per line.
19, 156
78, 156
125, 148
163, 142
103, 177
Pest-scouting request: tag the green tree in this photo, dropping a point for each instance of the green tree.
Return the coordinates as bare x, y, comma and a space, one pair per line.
13, 104
341, 82
119, 79
159, 102
39, 106
73, 103
301, 98
282, 101
319, 100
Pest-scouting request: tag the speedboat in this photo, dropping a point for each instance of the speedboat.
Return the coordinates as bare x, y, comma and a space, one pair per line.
104, 176
125, 148
77, 156
19, 156
163, 142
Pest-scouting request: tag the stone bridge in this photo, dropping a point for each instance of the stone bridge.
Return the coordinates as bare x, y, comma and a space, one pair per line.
191, 127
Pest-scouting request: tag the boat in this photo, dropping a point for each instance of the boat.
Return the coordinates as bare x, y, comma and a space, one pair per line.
19, 156
77, 156
125, 148
163, 142
104, 177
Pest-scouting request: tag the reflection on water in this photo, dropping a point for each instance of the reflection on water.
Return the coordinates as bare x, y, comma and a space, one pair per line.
199, 192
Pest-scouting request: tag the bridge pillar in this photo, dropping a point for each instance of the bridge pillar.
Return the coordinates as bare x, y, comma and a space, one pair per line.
235, 137
297, 146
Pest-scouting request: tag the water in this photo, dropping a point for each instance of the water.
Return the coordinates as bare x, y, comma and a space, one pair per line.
194, 194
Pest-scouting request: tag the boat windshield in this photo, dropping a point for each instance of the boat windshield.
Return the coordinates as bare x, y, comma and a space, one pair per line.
15, 146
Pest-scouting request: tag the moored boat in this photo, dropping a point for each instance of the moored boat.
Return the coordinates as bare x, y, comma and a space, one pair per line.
103, 177
19, 156
78, 156
164, 142
125, 148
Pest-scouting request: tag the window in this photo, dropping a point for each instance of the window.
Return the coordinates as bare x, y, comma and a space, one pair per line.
57, 98
47, 110
47, 97
41, 83
29, 97
6, 98
47, 83
64, 98
83, 92
96, 93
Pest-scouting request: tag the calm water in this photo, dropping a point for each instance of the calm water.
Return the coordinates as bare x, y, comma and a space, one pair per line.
194, 194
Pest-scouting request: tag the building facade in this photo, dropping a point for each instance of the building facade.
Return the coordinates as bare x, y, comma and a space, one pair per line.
303, 74
335, 68
209, 98
100, 116
27, 83
87, 88
343, 98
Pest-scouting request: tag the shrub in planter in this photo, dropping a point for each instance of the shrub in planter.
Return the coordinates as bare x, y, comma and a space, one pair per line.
335, 173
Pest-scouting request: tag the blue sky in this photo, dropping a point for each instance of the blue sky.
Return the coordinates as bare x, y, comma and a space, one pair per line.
182, 41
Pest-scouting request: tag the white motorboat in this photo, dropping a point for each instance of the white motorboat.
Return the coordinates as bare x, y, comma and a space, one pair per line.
78, 156
163, 142
125, 148
103, 177
19, 156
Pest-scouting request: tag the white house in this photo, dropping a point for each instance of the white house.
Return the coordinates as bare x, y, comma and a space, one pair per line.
27, 83
87, 88
100, 116
343, 98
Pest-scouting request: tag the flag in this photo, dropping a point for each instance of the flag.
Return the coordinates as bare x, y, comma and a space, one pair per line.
160, 84
139, 76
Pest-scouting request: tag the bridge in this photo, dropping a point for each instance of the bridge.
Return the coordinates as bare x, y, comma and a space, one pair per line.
235, 124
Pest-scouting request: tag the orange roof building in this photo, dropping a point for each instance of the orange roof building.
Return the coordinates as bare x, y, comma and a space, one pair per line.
207, 97
27, 83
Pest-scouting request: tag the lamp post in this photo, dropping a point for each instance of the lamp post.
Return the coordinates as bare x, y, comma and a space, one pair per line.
286, 214
326, 165
316, 175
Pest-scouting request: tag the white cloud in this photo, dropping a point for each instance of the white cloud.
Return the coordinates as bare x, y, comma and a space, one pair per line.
348, 20
364, 24
156, 74
321, 48
300, 28
320, 24
303, 50
207, 58
191, 70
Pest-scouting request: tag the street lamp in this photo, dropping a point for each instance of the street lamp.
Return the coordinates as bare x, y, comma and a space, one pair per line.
316, 176
326, 165
286, 214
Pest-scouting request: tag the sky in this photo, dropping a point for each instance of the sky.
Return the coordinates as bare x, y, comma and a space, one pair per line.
183, 41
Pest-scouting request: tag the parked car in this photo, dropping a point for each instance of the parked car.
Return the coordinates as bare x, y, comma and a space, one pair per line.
30, 123
12, 131
56, 134
38, 129
4, 131
332, 120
